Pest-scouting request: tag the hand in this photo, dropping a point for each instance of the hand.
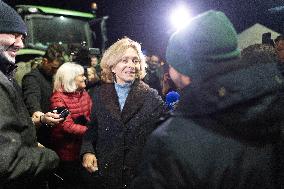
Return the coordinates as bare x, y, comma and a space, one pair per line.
36, 118
51, 119
37, 114
90, 162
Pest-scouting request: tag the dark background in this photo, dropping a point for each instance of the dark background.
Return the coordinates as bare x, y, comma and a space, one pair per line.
147, 21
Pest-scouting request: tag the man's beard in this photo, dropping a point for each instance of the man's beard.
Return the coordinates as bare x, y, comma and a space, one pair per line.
7, 63
4, 54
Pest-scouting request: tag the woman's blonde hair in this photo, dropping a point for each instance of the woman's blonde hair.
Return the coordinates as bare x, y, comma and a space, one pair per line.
64, 79
113, 55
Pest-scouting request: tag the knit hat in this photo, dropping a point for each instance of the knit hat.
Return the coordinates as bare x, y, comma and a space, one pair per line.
208, 38
10, 20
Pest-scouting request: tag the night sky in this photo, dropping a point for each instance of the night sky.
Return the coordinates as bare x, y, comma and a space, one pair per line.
147, 21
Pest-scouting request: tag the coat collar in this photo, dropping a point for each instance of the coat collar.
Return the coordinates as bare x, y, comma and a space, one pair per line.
133, 102
7, 67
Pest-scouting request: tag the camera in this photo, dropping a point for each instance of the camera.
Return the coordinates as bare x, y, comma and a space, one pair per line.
62, 111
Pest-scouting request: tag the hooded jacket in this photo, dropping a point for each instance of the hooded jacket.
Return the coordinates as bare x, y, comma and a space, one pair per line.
226, 133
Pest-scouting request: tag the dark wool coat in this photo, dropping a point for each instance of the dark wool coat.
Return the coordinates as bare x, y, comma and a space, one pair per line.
66, 137
37, 89
225, 133
117, 138
21, 160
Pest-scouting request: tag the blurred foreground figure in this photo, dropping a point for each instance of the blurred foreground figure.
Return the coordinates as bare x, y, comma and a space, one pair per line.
23, 162
226, 129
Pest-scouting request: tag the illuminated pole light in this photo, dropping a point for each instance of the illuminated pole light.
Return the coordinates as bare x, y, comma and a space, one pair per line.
180, 17
94, 6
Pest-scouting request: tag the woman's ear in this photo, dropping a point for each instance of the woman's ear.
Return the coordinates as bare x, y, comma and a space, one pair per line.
113, 69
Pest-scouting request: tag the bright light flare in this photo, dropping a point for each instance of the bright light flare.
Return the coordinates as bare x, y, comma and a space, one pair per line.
180, 17
94, 6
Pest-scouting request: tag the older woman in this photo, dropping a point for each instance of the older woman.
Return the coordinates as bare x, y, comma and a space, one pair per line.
69, 93
125, 113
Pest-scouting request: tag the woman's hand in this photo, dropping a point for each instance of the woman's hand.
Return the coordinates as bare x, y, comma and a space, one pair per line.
90, 162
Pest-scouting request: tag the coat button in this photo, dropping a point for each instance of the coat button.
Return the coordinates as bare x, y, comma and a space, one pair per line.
222, 92
126, 168
278, 79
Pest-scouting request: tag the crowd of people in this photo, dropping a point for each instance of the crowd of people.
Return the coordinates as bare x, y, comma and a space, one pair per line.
210, 116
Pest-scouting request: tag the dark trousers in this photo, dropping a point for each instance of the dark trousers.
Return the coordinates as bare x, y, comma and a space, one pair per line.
70, 171
74, 176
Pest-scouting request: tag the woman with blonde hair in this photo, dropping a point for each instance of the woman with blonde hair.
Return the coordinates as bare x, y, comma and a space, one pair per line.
69, 92
125, 114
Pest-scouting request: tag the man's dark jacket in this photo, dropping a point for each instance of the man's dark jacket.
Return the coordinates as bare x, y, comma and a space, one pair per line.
21, 161
226, 133
37, 90
117, 138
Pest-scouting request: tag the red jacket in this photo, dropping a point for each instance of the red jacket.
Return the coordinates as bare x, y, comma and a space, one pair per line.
66, 138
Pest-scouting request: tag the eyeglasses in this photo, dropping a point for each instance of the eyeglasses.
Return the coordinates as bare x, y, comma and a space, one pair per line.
133, 60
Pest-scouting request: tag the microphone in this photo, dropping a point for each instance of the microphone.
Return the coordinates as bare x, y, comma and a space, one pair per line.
172, 99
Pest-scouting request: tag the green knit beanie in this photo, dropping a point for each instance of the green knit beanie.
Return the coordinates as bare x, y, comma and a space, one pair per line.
208, 38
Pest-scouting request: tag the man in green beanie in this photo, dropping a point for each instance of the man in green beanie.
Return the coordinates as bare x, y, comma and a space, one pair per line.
226, 130
24, 163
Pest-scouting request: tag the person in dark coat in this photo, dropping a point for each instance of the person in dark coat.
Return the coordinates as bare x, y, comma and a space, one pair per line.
124, 113
23, 162
37, 87
225, 132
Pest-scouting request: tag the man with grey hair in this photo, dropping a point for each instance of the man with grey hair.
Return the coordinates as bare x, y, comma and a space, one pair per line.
24, 163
